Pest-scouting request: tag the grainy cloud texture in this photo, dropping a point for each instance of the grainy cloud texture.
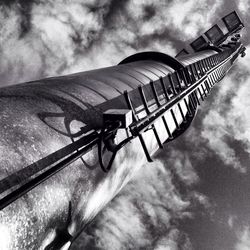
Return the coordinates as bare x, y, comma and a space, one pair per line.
194, 196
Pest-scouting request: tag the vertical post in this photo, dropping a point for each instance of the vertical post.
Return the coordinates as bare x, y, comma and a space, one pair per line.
201, 68
203, 89
170, 136
175, 120
208, 63
185, 77
157, 136
182, 114
152, 84
207, 86
172, 84
149, 159
212, 78
164, 89
204, 65
129, 104
197, 70
189, 108
196, 97
178, 80
143, 98
148, 112
193, 73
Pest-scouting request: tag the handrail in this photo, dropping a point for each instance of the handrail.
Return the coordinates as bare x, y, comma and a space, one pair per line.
138, 126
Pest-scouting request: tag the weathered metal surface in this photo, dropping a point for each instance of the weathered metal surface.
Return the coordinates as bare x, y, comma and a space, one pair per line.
43, 117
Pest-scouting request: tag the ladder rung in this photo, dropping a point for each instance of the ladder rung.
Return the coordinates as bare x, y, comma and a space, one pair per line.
167, 128
157, 137
144, 147
174, 118
178, 80
155, 93
204, 91
201, 95
164, 89
144, 101
200, 68
207, 86
182, 114
184, 77
190, 75
196, 97
197, 72
188, 108
207, 63
204, 65
129, 104
172, 84
193, 72
192, 102
212, 78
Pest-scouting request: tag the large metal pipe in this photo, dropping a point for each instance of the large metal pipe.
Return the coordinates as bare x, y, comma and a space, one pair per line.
46, 116
49, 120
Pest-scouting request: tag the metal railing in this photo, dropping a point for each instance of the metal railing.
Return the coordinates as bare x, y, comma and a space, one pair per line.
192, 84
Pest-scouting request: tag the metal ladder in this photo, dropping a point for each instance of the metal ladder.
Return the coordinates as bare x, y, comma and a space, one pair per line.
193, 82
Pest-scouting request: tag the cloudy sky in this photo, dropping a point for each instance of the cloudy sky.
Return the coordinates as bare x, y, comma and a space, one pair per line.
196, 195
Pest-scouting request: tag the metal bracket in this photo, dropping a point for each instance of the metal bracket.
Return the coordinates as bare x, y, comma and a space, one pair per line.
107, 141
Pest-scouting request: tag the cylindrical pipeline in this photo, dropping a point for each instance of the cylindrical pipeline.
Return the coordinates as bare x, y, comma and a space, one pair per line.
46, 116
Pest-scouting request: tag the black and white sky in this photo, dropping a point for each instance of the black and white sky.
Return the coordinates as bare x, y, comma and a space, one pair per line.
196, 195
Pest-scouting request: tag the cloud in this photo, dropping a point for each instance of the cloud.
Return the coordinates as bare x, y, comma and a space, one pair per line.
55, 39
244, 6
231, 221
193, 17
63, 37
61, 40
145, 214
182, 166
243, 240
171, 242
46, 38
159, 16
225, 127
